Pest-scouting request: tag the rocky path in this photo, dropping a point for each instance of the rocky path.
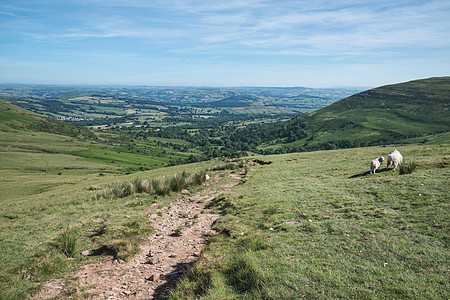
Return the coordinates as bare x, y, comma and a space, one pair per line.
180, 234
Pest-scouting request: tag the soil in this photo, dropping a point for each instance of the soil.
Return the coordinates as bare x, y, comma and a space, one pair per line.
181, 232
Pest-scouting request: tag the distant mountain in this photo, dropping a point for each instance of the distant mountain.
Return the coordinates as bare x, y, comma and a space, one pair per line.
389, 114
14, 118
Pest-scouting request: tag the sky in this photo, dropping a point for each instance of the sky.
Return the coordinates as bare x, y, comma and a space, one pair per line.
320, 43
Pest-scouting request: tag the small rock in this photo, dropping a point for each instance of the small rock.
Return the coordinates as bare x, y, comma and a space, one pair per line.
99, 221
270, 228
207, 177
85, 253
125, 293
153, 261
154, 277
173, 255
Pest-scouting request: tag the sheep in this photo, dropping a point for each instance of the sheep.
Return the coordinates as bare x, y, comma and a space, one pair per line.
375, 164
394, 159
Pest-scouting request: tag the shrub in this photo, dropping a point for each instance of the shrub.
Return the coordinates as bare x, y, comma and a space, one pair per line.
177, 182
142, 185
199, 178
407, 168
158, 186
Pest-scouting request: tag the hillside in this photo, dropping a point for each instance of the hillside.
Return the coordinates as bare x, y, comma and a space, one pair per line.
14, 118
304, 225
22, 131
234, 101
387, 114
399, 113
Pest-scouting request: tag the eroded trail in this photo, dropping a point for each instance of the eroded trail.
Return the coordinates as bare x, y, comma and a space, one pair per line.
181, 231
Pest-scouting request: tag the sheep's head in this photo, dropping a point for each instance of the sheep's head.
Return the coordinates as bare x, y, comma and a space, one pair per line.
381, 159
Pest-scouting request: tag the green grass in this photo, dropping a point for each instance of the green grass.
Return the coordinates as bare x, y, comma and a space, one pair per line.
318, 225
49, 214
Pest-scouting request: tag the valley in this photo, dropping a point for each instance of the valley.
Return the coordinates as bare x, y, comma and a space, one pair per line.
296, 212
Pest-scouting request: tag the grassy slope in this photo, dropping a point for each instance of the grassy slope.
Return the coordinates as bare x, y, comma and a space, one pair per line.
388, 114
22, 131
37, 210
382, 236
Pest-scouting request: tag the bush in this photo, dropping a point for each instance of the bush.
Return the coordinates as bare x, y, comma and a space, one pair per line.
407, 168
158, 186
142, 185
177, 182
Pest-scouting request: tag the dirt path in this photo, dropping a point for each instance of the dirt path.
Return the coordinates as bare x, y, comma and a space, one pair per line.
180, 234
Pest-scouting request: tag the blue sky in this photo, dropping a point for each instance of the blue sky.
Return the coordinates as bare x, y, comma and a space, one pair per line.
319, 43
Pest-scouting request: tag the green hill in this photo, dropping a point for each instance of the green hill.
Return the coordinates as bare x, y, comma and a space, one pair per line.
23, 132
14, 118
387, 114
307, 225
399, 113
234, 101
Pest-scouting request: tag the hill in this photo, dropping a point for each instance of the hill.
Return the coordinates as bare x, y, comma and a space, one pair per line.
233, 101
14, 118
304, 225
399, 113
22, 131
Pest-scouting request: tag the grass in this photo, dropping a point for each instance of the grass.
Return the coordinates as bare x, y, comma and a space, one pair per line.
37, 206
67, 243
157, 186
317, 225
407, 168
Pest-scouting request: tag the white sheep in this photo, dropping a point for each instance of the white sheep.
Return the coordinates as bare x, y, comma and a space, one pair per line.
375, 164
394, 159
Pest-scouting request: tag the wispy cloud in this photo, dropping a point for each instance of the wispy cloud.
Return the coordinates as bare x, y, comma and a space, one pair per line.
236, 31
